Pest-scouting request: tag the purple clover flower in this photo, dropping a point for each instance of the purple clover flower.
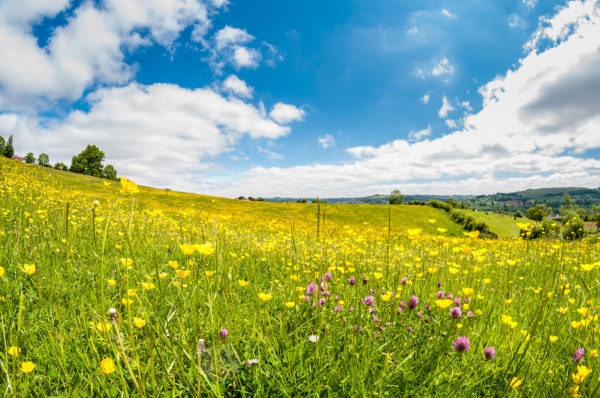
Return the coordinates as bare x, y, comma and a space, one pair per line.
368, 300
413, 302
461, 344
489, 353
578, 355
455, 312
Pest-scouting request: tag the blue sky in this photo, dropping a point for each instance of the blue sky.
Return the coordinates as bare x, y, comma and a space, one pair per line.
335, 98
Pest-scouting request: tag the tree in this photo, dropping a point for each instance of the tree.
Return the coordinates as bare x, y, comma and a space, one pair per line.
88, 162
110, 172
396, 197
568, 210
536, 213
43, 160
30, 158
61, 166
9, 150
2, 145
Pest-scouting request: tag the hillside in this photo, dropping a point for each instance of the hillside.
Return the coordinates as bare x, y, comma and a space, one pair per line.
304, 215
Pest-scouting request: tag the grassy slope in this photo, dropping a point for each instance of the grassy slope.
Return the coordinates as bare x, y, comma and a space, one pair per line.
336, 215
504, 226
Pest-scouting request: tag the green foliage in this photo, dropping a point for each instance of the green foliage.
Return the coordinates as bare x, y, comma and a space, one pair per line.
43, 160
30, 158
9, 150
396, 197
110, 172
545, 229
2, 145
574, 229
536, 213
518, 214
61, 166
88, 162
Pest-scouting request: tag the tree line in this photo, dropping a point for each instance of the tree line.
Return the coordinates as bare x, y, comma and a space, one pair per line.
87, 162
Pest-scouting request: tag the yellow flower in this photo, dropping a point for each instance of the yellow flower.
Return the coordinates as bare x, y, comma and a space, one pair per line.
128, 186
553, 339
147, 285
29, 268
443, 303
107, 365
174, 264
125, 301
139, 322
414, 231
27, 367
467, 291
131, 292
103, 326
209, 273
14, 351
386, 297
2, 271
126, 262
442, 230
290, 304
378, 275
582, 373
205, 249
514, 383
183, 273
587, 267
453, 270
111, 282
187, 249
265, 296
243, 283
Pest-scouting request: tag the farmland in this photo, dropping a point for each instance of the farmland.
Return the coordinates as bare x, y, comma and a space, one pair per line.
109, 289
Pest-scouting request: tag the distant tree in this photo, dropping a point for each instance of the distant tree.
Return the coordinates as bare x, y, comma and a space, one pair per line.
61, 166
536, 213
259, 199
596, 215
110, 172
43, 160
30, 158
396, 197
9, 150
568, 210
2, 145
88, 162
518, 214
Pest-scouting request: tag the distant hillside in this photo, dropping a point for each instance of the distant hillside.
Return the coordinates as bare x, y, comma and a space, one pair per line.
509, 202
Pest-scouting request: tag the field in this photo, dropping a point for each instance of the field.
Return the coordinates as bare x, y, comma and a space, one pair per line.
111, 290
503, 225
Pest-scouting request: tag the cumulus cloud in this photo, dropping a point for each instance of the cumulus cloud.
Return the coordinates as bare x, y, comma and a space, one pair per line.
285, 113
235, 85
425, 98
140, 127
326, 141
536, 125
447, 13
88, 49
436, 69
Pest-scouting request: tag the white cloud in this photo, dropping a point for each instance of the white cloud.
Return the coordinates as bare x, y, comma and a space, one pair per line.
161, 135
514, 21
87, 50
447, 13
419, 135
425, 98
442, 68
446, 107
285, 113
245, 57
326, 141
228, 36
451, 123
533, 122
269, 153
529, 3
235, 85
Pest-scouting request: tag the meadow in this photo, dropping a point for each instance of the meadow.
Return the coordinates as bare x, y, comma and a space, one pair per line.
110, 289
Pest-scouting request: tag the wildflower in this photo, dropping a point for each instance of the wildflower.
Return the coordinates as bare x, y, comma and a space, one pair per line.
139, 322
187, 249
553, 339
461, 344
444, 303
173, 264
322, 301
27, 367
368, 300
29, 268
128, 186
223, 334
489, 353
440, 294
290, 304
111, 282
264, 296
328, 276
403, 280
243, 283
107, 365
515, 382
126, 262
351, 281
147, 285
582, 373
313, 338
103, 326
378, 275
205, 249
183, 273
310, 289
14, 351
386, 297
578, 355
455, 312
413, 302
364, 280
467, 291
375, 318
2, 271
250, 362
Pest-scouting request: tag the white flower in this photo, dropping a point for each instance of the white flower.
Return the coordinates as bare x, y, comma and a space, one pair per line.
313, 338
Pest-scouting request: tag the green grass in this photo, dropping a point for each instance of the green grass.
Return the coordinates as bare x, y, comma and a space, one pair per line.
503, 225
71, 249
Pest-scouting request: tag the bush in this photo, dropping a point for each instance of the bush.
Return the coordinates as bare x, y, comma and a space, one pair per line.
574, 229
